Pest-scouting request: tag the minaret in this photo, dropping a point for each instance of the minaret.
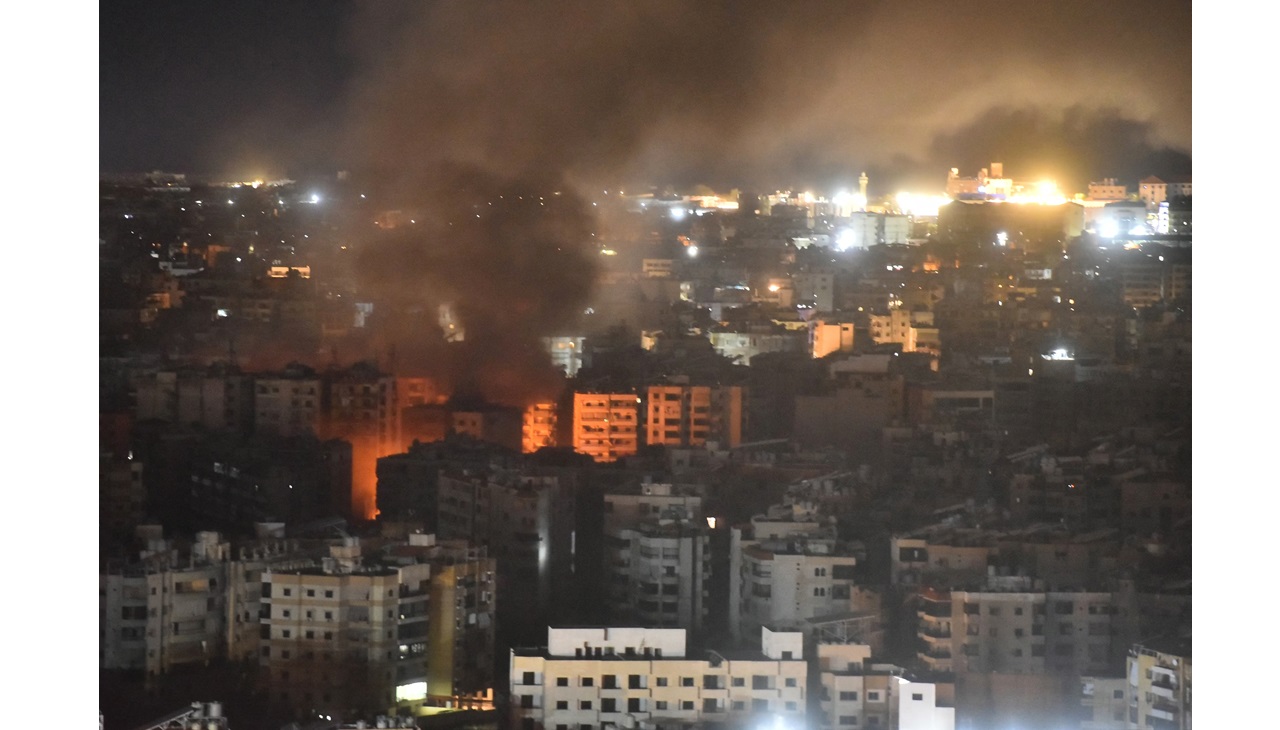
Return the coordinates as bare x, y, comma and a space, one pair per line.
862, 189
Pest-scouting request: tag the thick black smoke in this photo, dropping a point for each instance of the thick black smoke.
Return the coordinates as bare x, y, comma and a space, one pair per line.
512, 260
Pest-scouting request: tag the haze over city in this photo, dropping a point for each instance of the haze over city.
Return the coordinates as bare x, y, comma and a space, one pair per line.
817, 365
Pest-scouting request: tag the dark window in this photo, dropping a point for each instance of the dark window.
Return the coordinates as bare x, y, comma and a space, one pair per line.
848, 696
633, 682
528, 678
686, 705
633, 704
608, 704
610, 681
686, 681
562, 681
759, 681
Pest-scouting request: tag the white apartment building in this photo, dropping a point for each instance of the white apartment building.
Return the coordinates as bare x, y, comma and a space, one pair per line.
785, 575
859, 694
643, 678
828, 337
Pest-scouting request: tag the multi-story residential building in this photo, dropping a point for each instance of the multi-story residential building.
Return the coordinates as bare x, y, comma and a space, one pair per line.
785, 572
412, 630
1021, 630
644, 678
121, 493
217, 399
288, 403
856, 693
527, 521
831, 335
329, 633
539, 429
495, 424
692, 415
272, 478
1153, 190
606, 425
1102, 702
659, 569
1107, 189
1158, 689
165, 610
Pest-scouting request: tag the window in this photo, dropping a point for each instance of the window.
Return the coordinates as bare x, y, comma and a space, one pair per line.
759, 681
311, 593
1017, 611
661, 705
562, 681
527, 678
819, 572
819, 591
1064, 629
288, 591
738, 682
918, 697
1018, 633
634, 681
588, 682
791, 681
584, 705
328, 594
791, 706
1118, 694
609, 681
662, 681
759, 705
686, 705
848, 719
633, 704
849, 696
608, 704
285, 613
873, 696
686, 681
562, 704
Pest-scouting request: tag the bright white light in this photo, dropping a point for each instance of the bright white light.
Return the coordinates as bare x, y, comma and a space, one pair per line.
237, 259
315, 198
692, 251
1108, 228
1002, 238
844, 239
411, 691
677, 214
711, 522
774, 287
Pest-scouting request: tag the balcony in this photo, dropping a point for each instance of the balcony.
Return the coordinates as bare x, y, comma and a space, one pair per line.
932, 632
935, 663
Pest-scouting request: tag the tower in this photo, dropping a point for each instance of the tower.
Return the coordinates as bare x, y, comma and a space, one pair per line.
862, 189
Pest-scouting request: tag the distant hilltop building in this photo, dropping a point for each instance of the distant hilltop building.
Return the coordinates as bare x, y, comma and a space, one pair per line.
1153, 191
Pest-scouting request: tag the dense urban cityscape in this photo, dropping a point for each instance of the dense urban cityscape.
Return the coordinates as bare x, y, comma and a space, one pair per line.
466, 426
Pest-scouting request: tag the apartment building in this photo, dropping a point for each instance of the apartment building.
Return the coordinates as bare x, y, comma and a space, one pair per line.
785, 572
539, 427
692, 415
645, 678
857, 693
1102, 703
659, 571
1020, 630
606, 425
166, 609
1158, 691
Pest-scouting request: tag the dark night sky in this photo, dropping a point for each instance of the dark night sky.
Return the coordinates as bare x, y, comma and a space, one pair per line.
722, 93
